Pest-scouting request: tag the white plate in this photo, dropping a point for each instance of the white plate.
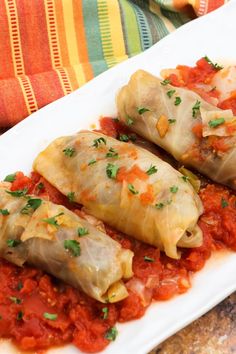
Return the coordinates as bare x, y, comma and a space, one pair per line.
212, 35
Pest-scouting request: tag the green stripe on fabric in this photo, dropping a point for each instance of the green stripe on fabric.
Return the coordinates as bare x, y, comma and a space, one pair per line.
93, 39
154, 23
176, 18
144, 30
105, 33
130, 28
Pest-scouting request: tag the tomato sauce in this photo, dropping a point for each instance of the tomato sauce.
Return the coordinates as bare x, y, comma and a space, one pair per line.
27, 294
199, 79
196, 78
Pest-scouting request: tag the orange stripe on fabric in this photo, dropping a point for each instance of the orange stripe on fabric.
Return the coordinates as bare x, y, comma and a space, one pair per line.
61, 33
72, 46
73, 79
34, 36
47, 87
65, 81
28, 94
81, 38
12, 103
6, 64
15, 37
55, 48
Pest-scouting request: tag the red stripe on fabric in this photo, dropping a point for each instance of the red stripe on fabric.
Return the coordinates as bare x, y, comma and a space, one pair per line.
12, 103
6, 63
214, 4
34, 37
47, 87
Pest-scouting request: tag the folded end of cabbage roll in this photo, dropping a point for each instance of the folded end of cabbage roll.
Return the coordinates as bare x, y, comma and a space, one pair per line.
58, 241
191, 238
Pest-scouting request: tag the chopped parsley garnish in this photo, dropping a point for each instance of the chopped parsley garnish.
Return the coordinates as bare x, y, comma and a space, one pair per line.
4, 211
73, 247
112, 153
69, 152
97, 142
177, 101
105, 311
170, 93
162, 204
71, 197
53, 220
123, 137
151, 170
185, 178
82, 231
165, 82
159, 205
224, 203
129, 121
19, 286
132, 189
19, 193
16, 300
174, 189
32, 205
149, 259
40, 186
10, 178
126, 138
13, 243
142, 110
92, 162
19, 316
214, 65
196, 108
216, 122
50, 316
111, 170
171, 121
111, 334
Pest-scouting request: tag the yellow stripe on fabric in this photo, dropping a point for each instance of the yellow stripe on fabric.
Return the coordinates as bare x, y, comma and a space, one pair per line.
15, 39
72, 41
155, 8
56, 57
117, 37
28, 93
64, 80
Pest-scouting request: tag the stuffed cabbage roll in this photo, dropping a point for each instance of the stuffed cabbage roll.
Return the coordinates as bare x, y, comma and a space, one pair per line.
125, 186
54, 239
195, 132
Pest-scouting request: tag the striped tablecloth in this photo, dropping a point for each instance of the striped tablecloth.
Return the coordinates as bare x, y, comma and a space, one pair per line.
48, 48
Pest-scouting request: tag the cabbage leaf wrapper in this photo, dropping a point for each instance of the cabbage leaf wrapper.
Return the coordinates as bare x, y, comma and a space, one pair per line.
56, 240
125, 186
195, 132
